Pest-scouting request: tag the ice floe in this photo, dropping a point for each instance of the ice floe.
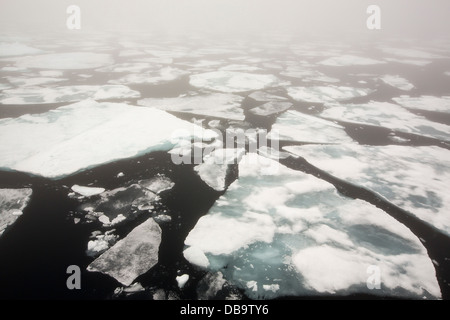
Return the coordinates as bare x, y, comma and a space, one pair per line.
128, 67
307, 75
429, 103
32, 81
263, 96
387, 115
217, 105
17, 49
65, 61
270, 108
40, 95
181, 280
87, 191
296, 126
272, 231
101, 243
231, 81
160, 76
12, 203
397, 82
413, 178
133, 255
349, 60
83, 135
216, 165
322, 94
411, 53
157, 184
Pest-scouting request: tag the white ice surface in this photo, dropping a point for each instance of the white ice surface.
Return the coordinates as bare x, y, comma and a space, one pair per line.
429, 103
196, 257
324, 94
349, 60
413, 178
217, 105
32, 81
17, 49
12, 203
40, 95
397, 82
388, 115
159, 76
270, 108
296, 126
87, 191
269, 230
231, 81
307, 74
72, 138
181, 280
133, 255
263, 96
65, 61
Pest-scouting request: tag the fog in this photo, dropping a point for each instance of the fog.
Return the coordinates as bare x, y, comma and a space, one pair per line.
232, 17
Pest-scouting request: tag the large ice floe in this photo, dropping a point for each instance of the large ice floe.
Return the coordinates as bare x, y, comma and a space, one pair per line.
349, 60
282, 232
324, 94
133, 255
397, 82
296, 126
217, 105
270, 108
12, 203
40, 95
65, 61
388, 115
17, 49
75, 137
428, 103
413, 178
231, 81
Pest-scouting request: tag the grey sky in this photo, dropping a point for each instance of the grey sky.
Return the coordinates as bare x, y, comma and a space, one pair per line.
416, 17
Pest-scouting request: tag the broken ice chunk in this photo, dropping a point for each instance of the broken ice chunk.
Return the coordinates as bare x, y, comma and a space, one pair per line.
413, 178
270, 108
263, 96
87, 191
83, 135
157, 184
38, 95
218, 105
160, 76
265, 224
295, 126
322, 94
429, 103
231, 81
397, 82
181, 280
216, 166
349, 60
133, 255
12, 203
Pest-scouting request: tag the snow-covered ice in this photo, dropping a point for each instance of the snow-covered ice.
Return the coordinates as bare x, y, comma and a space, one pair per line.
181, 280
231, 81
217, 105
17, 49
349, 60
133, 255
159, 76
388, 115
196, 257
275, 230
429, 103
87, 191
307, 74
12, 203
40, 95
322, 94
33, 81
65, 61
413, 178
157, 184
216, 165
83, 135
397, 82
270, 108
263, 96
296, 126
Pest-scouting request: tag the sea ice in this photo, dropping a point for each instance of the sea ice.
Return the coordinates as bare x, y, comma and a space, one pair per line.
263, 96
296, 126
155, 77
217, 105
270, 108
387, 115
39, 95
17, 49
133, 255
231, 81
157, 184
349, 60
307, 75
290, 233
397, 82
429, 103
87, 191
413, 178
12, 203
181, 280
65, 61
32, 81
322, 94
83, 135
